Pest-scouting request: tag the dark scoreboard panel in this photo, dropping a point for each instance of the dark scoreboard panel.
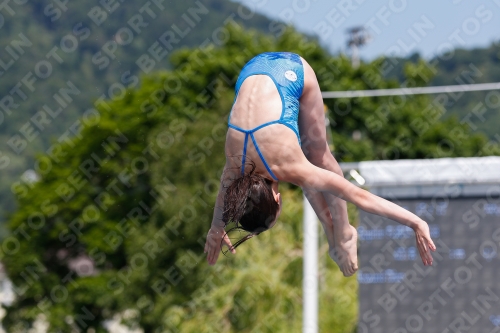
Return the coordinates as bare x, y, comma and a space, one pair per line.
459, 293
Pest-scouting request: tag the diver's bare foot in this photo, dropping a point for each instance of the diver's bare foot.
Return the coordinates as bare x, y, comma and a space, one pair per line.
344, 253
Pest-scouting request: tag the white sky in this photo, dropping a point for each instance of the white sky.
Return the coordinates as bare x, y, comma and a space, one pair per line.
393, 24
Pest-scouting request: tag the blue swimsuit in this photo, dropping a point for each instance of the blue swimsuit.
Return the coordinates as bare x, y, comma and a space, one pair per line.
287, 73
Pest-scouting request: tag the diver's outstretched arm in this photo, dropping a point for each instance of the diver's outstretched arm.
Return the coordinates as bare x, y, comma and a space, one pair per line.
308, 176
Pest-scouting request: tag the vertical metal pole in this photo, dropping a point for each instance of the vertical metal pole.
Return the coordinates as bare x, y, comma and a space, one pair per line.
310, 280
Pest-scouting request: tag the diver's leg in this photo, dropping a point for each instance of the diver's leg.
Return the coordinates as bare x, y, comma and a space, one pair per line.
318, 203
343, 246
313, 136
320, 206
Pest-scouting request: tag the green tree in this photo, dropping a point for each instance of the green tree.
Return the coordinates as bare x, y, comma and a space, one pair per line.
462, 66
395, 127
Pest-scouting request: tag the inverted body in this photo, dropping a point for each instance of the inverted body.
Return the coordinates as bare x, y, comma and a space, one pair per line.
277, 122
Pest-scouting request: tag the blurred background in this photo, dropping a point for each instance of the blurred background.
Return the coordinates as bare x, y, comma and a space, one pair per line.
112, 126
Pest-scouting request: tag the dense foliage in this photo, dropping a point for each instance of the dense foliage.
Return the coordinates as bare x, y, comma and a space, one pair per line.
479, 110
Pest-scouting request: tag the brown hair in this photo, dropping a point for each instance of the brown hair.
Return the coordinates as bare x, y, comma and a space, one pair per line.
250, 204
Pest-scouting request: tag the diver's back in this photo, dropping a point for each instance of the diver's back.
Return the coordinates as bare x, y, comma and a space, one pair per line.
258, 102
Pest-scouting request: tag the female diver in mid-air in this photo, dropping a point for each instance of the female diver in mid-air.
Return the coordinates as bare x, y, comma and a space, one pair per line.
264, 127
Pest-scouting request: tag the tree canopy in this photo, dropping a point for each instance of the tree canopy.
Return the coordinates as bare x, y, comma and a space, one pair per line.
479, 109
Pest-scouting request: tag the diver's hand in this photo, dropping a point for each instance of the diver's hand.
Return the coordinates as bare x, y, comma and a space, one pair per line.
424, 242
216, 237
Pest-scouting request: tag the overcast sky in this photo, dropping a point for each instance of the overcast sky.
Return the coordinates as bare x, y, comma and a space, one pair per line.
397, 27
